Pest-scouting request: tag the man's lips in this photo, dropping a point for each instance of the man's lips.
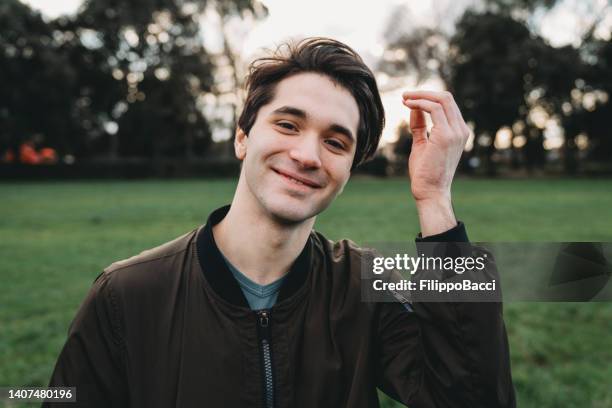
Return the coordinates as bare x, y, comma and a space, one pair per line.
306, 181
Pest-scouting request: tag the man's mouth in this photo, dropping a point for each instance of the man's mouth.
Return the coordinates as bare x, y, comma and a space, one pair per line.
297, 179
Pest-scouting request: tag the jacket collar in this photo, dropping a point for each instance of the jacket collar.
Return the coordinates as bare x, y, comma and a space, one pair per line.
221, 279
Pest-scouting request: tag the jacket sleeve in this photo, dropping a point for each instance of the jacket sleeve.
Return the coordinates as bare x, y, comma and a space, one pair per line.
452, 354
92, 359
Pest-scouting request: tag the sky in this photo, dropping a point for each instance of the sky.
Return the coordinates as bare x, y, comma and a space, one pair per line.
361, 25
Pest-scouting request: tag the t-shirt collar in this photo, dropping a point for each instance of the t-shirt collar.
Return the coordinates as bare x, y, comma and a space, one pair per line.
221, 279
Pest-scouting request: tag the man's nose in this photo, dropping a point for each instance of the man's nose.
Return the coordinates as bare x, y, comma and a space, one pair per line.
306, 151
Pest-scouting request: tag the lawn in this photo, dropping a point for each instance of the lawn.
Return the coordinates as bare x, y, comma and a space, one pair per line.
56, 237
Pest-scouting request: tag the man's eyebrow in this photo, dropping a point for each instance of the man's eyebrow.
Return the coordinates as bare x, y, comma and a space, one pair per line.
336, 128
343, 131
290, 110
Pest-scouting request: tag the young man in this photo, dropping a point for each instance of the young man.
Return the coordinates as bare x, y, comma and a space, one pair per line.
255, 309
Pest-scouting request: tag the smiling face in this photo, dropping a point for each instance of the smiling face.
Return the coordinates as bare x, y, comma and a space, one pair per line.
298, 154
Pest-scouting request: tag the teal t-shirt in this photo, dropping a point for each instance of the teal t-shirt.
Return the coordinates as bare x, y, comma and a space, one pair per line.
258, 296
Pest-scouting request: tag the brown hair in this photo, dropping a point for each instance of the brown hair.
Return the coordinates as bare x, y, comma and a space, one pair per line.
327, 57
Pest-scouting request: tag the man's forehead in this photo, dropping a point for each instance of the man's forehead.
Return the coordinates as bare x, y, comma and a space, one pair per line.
318, 97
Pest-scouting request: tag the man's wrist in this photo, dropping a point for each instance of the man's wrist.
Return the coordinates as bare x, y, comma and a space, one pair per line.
436, 215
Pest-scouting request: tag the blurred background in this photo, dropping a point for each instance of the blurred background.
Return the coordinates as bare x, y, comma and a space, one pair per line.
116, 125
153, 87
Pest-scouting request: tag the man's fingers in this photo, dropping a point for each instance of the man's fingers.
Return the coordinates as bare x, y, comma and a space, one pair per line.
438, 116
446, 99
418, 125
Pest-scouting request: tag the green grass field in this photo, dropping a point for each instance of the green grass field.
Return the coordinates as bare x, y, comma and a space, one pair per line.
55, 238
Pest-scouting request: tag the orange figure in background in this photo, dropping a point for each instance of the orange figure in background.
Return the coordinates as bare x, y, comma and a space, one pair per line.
47, 155
28, 154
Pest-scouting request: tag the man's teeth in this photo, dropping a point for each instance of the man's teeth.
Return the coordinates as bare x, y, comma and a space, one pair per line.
295, 180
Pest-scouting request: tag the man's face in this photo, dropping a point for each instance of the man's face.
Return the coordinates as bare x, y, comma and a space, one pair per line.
298, 155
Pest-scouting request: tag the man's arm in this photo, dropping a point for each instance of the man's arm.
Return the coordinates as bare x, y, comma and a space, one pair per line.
442, 354
93, 359
445, 354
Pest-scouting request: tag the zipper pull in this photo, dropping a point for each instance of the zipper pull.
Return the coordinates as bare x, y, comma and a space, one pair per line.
264, 319
264, 323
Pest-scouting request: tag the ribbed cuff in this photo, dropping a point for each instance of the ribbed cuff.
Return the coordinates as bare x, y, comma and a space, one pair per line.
455, 234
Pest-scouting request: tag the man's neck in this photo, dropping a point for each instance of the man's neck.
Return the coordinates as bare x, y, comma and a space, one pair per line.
258, 246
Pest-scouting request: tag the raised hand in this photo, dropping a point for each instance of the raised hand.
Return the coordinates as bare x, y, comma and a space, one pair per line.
434, 157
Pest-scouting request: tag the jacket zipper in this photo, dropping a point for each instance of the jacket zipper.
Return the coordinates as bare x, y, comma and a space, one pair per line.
265, 352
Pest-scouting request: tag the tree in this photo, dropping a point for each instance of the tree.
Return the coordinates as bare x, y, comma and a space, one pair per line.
421, 47
234, 20
403, 145
38, 83
119, 78
517, 7
490, 61
400, 149
555, 74
598, 81
416, 48
151, 71
425, 51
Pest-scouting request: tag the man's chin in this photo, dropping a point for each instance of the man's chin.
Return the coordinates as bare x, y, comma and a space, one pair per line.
291, 214
291, 217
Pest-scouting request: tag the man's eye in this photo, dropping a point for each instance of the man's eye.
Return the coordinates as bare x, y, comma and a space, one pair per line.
335, 144
286, 125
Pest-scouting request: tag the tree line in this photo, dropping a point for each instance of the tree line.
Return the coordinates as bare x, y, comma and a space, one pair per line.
118, 79
133, 79
506, 75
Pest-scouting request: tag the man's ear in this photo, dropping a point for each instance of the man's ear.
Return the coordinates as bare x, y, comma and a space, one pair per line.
240, 144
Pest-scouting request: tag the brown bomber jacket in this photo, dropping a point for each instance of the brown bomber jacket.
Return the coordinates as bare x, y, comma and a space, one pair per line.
170, 327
